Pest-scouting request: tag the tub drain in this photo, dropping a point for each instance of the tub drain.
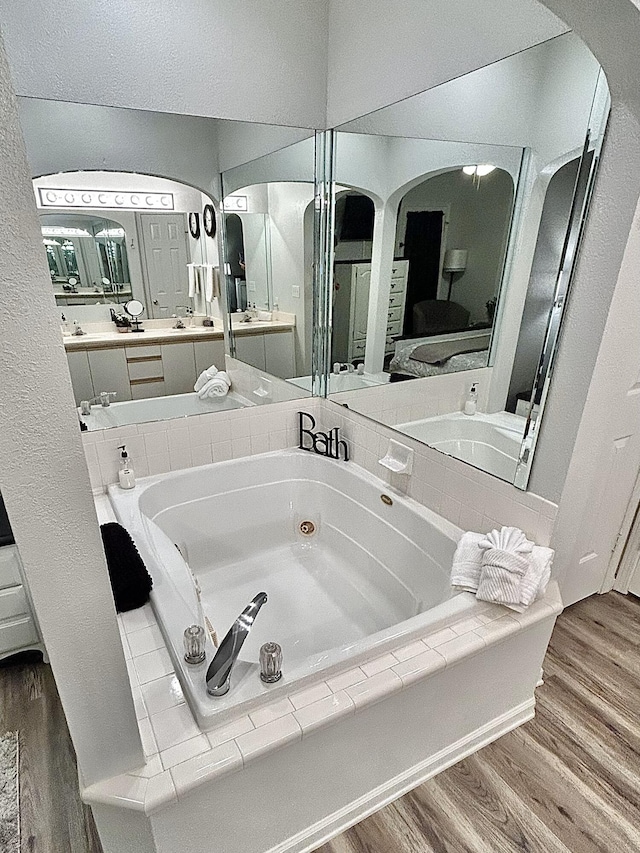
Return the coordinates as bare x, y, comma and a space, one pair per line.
307, 528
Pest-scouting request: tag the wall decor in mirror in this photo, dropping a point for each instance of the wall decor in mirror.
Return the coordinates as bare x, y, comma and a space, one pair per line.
457, 218
129, 207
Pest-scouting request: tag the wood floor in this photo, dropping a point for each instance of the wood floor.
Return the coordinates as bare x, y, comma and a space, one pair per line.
567, 781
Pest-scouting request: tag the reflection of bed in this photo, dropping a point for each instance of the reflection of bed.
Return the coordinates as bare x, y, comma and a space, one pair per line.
423, 357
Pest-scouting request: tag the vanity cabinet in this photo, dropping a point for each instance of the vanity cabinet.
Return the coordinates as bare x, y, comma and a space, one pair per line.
109, 372
351, 308
207, 353
272, 352
81, 380
18, 629
179, 366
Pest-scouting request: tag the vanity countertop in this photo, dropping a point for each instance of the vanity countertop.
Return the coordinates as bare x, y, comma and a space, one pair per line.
111, 338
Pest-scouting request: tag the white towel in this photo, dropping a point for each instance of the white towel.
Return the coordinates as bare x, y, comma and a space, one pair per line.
217, 387
467, 562
501, 576
194, 279
534, 583
510, 539
206, 376
211, 283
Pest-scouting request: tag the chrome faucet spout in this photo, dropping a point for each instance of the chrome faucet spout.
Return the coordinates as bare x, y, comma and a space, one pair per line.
219, 672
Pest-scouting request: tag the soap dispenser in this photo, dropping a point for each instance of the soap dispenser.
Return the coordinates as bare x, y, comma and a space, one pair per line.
471, 403
126, 477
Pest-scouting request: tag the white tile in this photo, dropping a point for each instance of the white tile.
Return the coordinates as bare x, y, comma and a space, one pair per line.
160, 792
240, 447
152, 767
230, 731
455, 650
409, 651
450, 508
202, 455
222, 451
153, 665
466, 625
173, 726
149, 745
378, 665
271, 712
160, 464
324, 711
260, 443
138, 703
211, 764
419, 666
199, 434
497, 629
182, 751
375, 688
145, 640
125, 791
162, 693
135, 620
156, 444
346, 679
310, 695
133, 674
126, 648
278, 733
438, 637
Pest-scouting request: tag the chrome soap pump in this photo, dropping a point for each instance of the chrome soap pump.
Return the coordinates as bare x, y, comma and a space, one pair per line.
126, 477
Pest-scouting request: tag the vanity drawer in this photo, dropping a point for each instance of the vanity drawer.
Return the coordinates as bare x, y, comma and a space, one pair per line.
13, 602
143, 351
394, 315
17, 633
399, 269
150, 369
396, 299
398, 285
9, 567
141, 390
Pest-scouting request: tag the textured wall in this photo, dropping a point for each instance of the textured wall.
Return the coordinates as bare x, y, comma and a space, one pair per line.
46, 487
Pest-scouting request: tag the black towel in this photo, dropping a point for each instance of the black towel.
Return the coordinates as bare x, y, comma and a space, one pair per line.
130, 580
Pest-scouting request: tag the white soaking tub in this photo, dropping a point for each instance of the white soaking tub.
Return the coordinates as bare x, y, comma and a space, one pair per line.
489, 442
370, 578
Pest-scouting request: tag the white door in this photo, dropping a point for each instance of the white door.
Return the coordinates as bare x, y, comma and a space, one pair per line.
360, 297
165, 258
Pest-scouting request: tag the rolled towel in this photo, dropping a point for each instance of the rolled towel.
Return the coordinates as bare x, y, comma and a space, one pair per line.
217, 387
501, 576
510, 539
467, 562
206, 376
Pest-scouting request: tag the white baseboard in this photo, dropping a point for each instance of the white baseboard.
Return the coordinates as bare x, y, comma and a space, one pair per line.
341, 820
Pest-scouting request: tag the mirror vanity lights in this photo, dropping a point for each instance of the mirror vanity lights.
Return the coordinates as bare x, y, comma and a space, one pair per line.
458, 214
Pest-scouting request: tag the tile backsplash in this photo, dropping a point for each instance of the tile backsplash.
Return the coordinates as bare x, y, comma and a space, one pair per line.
464, 495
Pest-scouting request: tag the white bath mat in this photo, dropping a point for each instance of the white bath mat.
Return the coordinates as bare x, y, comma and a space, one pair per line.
9, 794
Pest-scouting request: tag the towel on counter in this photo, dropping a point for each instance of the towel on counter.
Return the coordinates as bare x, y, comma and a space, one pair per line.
501, 576
467, 562
130, 580
534, 584
217, 387
206, 376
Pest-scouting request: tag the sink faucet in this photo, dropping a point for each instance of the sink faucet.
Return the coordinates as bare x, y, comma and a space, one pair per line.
104, 399
343, 367
219, 672
179, 324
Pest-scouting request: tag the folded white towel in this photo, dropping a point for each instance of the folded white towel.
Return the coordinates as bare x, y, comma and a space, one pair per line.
467, 562
536, 579
206, 376
510, 539
500, 577
217, 387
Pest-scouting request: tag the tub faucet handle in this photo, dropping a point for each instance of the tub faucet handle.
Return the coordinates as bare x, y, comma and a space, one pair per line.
270, 662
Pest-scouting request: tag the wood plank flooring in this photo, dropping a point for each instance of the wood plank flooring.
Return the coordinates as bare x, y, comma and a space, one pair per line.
566, 782
52, 817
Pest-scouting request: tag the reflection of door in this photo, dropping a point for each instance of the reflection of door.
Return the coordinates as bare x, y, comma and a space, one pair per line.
236, 260
164, 261
422, 244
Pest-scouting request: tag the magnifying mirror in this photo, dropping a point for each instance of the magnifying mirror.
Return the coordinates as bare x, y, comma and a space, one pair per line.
134, 308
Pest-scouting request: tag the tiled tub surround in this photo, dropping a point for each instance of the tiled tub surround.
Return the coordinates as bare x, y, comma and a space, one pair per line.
466, 496
371, 577
181, 758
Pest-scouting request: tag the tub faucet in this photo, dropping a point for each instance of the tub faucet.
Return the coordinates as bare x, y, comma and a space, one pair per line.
219, 672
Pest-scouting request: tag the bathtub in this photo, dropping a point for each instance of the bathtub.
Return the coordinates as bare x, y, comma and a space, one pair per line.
489, 442
158, 409
344, 381
370, 578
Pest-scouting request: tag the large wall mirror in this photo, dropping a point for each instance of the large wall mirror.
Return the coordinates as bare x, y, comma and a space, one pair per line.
147, 302
457, 219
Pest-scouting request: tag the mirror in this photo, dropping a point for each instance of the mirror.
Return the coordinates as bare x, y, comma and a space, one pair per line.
138, 196
458, 215
269, 263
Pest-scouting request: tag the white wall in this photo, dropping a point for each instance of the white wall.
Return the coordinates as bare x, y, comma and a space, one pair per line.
252, 61
381, 52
